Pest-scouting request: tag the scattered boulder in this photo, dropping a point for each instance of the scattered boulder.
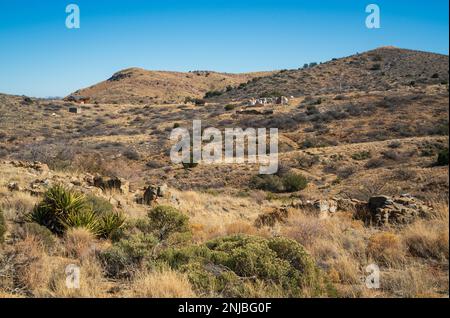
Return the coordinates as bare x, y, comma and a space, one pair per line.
14, 186
282, 100
36, 165
400, 210
321, 208
115, 183
152, 193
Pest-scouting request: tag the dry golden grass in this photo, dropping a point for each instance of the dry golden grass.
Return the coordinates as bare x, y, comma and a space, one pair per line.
80, 243
386, 249
161, 284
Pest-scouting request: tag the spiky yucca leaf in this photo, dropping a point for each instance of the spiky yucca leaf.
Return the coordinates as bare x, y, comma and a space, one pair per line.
111, 222
57, 204
83, 219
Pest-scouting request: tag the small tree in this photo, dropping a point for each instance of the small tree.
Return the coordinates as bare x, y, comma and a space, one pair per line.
166, 220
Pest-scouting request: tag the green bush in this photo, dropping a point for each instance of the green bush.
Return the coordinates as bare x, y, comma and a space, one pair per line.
2, 226
289, 182
442, 159
211, 94
128, 254
272, 183
98, 205
232, 266
229, 107
166, 220
362, 155
44, 235
62, 209
294, 182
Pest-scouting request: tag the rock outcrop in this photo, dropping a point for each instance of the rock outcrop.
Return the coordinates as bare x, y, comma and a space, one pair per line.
115, 183
401, 210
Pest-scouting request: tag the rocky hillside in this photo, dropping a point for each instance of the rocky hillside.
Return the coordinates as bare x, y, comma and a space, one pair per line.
138, 86
381, 69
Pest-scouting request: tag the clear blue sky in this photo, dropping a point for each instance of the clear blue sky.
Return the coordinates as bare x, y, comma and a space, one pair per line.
40, 57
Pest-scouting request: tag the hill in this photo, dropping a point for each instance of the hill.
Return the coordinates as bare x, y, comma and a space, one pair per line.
139, 86
381, 69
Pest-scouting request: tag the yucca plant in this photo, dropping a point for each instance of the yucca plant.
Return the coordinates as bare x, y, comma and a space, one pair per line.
86, 219
110, 223
62, 209
57, 205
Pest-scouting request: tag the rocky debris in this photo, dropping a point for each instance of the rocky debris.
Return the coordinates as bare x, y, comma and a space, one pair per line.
14, 186
152, 193
282, 100
379, 210
36, 165
399, 210
115, 183
321, 208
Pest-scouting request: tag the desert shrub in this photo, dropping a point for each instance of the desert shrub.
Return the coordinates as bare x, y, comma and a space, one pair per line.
288, 182
391, 155
307, 161
132, 154
231, 266
404, 174
99, 205
127, 254
2, 226
229, 107
374, 163
442, 159
211, 94
345, 172
312, 110
375, 67
166, 220
272, 183
395, 145
294, 182
39, 232
62, 209
199, 102
362, 155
